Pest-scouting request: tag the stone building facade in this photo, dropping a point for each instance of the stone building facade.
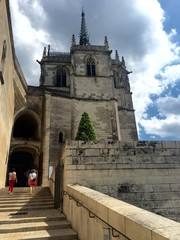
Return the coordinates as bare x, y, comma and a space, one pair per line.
13, 88
85, 79
36, 122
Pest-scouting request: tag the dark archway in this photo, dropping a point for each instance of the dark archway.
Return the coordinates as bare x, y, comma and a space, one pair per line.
26, 127
22, 161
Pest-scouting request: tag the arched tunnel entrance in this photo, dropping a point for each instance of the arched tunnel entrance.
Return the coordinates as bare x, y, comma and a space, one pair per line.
25, 147
22, 162
26, 127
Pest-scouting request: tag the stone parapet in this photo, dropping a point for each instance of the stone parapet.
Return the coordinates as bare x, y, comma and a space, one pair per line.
97, 216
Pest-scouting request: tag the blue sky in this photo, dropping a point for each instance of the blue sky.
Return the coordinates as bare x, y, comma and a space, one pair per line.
171, 8
145, 32
168, 101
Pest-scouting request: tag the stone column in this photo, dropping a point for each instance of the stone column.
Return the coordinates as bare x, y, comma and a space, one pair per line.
46, 139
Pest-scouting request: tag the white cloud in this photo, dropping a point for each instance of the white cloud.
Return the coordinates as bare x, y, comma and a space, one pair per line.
168, 125
162, 51
28, 41
169, 107
170, 74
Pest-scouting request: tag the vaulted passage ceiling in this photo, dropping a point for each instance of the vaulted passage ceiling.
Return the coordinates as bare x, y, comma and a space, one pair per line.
25, 127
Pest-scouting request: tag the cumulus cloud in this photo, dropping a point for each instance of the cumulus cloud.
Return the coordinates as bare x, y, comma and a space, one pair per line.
134, 28
29, 41
168, 123
169, 106
170, 74
166, 128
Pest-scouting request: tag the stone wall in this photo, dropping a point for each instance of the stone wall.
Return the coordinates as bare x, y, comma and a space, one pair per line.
65, 116
12, 87
102, 115
145, 174
97, 216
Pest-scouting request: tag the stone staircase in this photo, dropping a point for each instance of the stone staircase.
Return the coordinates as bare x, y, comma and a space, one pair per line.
32, 217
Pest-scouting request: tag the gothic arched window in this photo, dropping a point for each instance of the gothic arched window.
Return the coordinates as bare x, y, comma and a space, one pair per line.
61, 78
91, 68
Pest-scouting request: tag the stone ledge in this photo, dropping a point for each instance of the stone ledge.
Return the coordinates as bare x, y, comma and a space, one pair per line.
135, 223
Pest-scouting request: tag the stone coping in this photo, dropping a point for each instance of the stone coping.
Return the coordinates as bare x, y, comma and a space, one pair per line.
133, 222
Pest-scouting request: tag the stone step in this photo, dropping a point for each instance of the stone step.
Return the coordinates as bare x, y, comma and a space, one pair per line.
14, 196
26, 200
23, 216
26, 208
18, 194
33, 226
20, 204
33, 219
28, 196
25, 189
59, 234
27, 193
36, 213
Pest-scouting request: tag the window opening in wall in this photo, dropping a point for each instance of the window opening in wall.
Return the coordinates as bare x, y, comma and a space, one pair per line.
114, 82
4, 51
91, 69
60, 137
3, 57
61, 78
1, 78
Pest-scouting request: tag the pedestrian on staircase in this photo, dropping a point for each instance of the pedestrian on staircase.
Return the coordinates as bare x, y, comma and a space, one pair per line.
12, 180
32, 180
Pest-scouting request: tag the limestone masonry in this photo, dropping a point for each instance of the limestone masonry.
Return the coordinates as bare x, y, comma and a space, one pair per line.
39, 124
143, 173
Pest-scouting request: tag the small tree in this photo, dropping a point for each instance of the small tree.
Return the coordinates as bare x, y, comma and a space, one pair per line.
85, 130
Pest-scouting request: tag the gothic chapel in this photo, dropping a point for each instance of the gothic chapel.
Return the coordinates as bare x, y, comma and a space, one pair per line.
85, 79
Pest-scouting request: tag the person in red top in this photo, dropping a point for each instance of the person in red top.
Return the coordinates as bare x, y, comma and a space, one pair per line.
12, 180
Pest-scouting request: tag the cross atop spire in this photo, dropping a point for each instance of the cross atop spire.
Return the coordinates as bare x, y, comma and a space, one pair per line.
84, 36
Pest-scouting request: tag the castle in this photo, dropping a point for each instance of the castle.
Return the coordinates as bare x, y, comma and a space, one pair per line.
85, 79
37, 122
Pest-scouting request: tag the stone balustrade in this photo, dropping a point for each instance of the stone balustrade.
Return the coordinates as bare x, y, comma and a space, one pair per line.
97, 216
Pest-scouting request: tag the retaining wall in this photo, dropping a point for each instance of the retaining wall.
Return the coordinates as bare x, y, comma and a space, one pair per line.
145, 174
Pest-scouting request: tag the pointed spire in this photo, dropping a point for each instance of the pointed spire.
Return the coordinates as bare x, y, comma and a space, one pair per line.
44, 52
49, 47
116, 55
106, 42
73, 41
123, 62
84, 36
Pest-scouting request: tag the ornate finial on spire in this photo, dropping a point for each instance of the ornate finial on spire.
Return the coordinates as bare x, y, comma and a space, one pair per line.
73, 41
116, 55
106, 42
123, 62
84, 37
49, 49
44, 52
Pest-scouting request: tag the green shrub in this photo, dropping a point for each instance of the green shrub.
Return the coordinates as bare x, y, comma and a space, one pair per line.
85, 130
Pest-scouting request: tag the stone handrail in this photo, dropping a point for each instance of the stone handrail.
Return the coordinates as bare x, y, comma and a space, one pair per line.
97, 216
